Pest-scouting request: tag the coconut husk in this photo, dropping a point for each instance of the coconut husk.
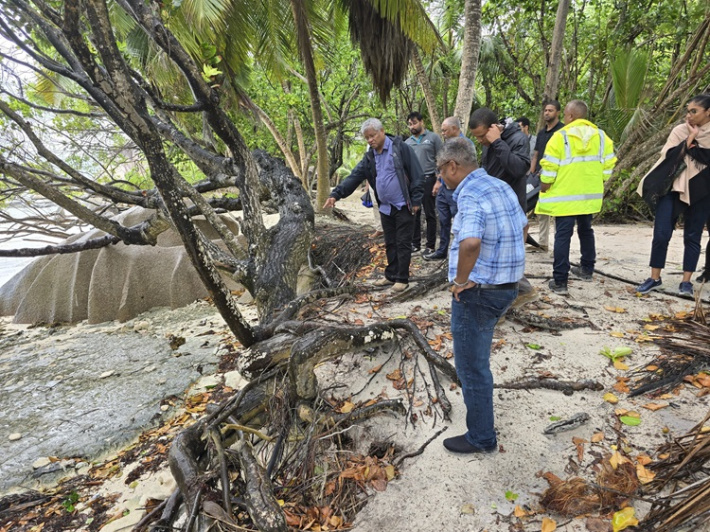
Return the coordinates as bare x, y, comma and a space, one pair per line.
576, 496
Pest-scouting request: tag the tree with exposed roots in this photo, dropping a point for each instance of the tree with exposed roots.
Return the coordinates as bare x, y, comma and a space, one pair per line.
75, 47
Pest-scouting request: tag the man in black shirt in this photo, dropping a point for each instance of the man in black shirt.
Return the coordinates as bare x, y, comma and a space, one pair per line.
551, 115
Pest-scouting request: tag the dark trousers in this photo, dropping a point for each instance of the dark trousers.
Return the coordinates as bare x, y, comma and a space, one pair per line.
398, 227
446, 208
429, 208
564, 228
695, 216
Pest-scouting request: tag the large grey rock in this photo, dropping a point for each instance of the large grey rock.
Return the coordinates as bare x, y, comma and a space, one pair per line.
115, 282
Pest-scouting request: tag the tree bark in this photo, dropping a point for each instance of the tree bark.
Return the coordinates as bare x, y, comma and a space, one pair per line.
428, 92
306, 48
469, 60
553, 68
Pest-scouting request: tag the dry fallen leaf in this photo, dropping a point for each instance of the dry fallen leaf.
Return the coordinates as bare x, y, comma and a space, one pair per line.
618, 364
346, 408
644, 459
597, 437
375, 369
615, 309
519, 512
548, 525
616, 334
644, 475
617, 459
654, 406
611, 398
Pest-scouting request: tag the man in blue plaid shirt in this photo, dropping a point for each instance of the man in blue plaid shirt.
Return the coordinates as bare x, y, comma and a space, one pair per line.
486, 260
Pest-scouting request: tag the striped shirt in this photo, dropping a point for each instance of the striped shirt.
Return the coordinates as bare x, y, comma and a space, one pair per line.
488, 209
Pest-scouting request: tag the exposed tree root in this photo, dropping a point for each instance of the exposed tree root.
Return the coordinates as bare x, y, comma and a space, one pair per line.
547, 322
566, 387
278, 418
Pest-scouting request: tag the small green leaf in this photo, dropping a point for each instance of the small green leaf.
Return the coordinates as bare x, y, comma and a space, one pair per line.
630, 421
511, 496
555, 418
534, 346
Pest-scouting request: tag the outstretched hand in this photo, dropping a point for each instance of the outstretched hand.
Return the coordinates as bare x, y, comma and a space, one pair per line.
329, 203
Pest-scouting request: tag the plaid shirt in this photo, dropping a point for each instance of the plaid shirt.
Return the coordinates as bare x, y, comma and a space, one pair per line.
488, 209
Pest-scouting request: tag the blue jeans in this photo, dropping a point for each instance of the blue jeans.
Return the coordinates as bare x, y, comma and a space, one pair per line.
473, 319
695, 217
564, 227
446, 207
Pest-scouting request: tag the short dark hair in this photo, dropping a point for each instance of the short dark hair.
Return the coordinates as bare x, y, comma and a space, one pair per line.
415, 114
703, 100
523, 121
482, 117
552, 102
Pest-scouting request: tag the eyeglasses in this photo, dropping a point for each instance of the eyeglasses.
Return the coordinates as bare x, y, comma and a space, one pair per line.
438, 168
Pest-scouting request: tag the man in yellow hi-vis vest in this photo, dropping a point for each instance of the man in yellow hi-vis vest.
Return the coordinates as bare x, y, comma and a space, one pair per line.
578, 159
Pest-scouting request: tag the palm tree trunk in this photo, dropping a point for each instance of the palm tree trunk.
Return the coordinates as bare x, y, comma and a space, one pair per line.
305, 45
553, 69
469, 60
428, 92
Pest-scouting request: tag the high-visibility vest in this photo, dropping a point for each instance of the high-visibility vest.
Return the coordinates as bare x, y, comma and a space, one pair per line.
578, 159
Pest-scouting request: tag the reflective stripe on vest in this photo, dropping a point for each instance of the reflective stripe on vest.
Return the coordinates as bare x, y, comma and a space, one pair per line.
574, 197
580, 158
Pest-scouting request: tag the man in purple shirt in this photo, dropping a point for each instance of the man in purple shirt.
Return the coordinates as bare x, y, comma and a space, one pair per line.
394, 175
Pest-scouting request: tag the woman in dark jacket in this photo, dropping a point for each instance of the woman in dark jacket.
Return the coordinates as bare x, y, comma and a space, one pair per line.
679, 183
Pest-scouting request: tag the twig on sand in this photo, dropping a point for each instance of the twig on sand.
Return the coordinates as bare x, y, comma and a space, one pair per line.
419, 451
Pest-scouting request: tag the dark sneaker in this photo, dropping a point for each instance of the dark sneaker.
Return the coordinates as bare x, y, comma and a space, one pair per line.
648, 285
436, 255
459, 444
558, 288
416, 248
686, 289
428, 251
581, 273
703, 277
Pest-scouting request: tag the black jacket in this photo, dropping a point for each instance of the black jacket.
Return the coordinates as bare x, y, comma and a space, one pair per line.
508, 159
409, 174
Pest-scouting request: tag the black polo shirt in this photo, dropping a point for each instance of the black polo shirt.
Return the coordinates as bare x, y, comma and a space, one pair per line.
543, 136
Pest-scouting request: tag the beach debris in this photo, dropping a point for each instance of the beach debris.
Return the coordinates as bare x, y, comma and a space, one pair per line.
683, 480
615, 482
571, 423
684, 358
14, 436
624, 519
550, 382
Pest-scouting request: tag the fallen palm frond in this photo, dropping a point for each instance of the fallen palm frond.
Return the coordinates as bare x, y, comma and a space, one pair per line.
685, 350
684, 470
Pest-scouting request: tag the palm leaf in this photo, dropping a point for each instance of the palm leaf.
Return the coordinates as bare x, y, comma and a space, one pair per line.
628, 72
206, 15
412, 19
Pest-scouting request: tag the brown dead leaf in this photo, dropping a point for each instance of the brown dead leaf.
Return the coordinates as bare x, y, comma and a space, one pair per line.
597, 437
654, 406
395, 375
618, 310
703, 379
621, 385
651, 367
616, 334
579, 443
375, 369
552, 479
548, 525
644, 475
519, 512
644, 459
617, 459
346, 408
